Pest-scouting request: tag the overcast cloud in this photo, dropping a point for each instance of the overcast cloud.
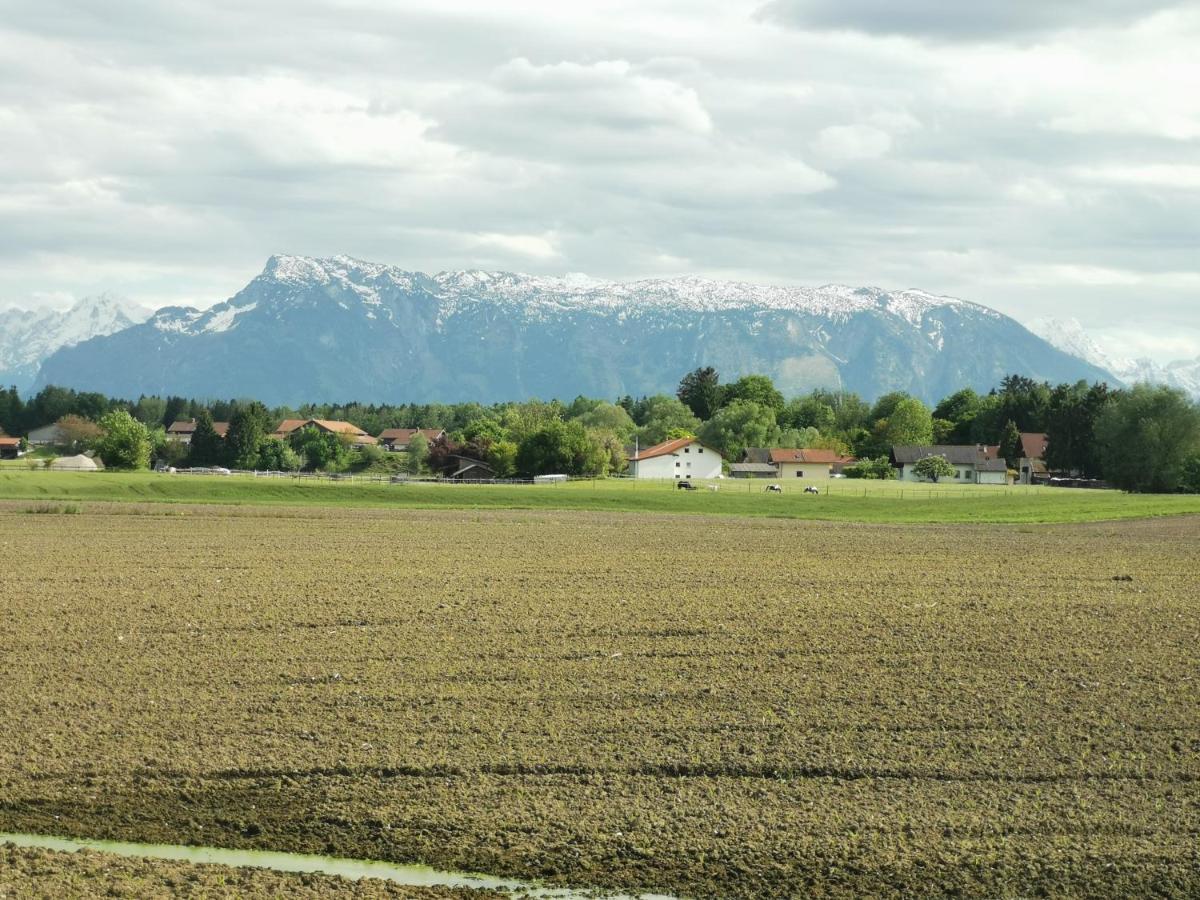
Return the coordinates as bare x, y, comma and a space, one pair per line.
1042, 158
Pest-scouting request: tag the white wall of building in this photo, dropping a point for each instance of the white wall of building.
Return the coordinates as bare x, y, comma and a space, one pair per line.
963, 474
804, 471
694, 462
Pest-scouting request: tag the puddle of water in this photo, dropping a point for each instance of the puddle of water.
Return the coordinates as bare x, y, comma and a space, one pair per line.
409, 875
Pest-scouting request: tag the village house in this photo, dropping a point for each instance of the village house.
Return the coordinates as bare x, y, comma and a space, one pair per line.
973, 463
355, 436
1031, 468
181, 432
471, 470
752, 470
10, 448
47, 436
810, 464
397, 439
682, 459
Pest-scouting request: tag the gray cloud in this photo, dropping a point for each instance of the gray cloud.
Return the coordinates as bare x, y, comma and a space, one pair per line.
165, 153
982, 20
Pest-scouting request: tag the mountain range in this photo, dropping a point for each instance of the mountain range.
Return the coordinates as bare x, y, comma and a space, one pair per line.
27, 337
310, 329
1071, 337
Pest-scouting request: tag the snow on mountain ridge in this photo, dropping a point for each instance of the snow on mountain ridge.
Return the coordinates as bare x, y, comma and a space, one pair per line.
28, 336
575, 291
1071, 337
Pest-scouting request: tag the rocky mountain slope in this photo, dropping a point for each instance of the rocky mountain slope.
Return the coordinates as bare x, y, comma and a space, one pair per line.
27, 337
328, 329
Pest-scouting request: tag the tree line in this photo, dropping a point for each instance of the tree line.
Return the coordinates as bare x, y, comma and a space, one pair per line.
1143, 438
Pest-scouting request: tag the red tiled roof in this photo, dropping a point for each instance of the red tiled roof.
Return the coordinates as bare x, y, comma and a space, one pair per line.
1033, 444
10, 442
815, 456
287, 426
664, 449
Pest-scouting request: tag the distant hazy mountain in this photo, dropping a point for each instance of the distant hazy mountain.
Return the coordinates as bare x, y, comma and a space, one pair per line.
328, 329
1071, 337
27, 337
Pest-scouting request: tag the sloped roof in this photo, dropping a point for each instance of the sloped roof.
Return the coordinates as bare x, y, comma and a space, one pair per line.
815, 456
188, 426
466, 464
666, 448
958, 454
287, 426
1033, 444
752, 468
10, 442
404, 435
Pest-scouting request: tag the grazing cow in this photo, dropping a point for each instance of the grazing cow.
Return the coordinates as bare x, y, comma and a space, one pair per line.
713, 487
812, 490
774, 489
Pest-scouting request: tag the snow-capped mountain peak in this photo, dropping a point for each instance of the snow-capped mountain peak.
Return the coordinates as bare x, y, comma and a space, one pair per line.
1070, 336
28, 336
312, 328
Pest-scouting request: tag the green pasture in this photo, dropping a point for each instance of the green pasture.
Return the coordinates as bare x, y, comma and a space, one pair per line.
841, 500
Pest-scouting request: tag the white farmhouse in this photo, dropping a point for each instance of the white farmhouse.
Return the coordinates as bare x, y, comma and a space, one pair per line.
681, 459
973, 463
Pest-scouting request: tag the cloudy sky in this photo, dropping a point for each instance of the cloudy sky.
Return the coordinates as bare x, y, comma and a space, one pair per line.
1043, 158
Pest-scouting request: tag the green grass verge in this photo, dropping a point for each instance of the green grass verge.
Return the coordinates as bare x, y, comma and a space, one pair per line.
846, 500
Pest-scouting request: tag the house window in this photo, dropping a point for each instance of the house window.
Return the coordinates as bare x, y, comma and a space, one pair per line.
689, 466
677, 464
687, 449
699, 449
799, 474
689, 476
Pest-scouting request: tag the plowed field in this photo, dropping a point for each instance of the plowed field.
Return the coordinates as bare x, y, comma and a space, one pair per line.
708, 707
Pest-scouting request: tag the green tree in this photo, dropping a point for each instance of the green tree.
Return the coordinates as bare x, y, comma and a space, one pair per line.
248, 429
933, 468
126, 442
1071, 444
794, 438
960, 409
809, 412
555, 448
207, 447
502, 457
12, 411
321, 450
741, 424
418, 450
1146, 434
661, 414
754, 389
700, 391
608, 417
943, 431
908, 422
275, 455
1189, 481
150, 411
1011, 449
880, 469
